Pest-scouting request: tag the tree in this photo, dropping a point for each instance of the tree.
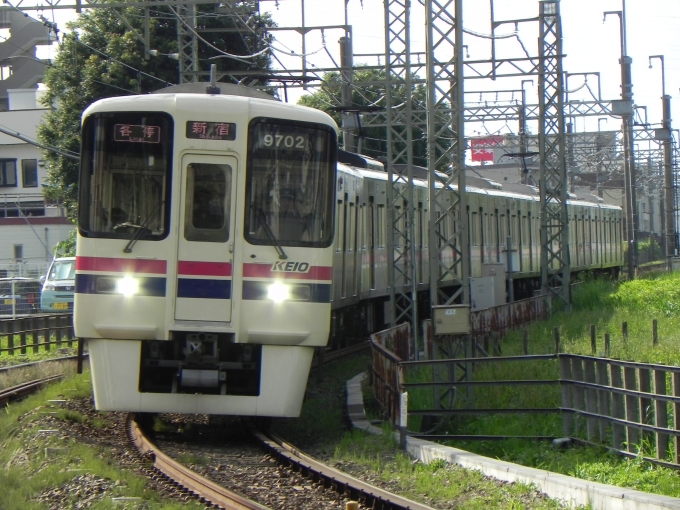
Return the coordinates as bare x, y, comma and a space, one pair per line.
102, 57
368, 89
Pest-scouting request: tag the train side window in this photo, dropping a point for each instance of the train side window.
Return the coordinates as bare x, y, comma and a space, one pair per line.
370, 232
351, 228
381, 225
503, 229
340, 227
207, 203
474, 235
419, 225
370, 224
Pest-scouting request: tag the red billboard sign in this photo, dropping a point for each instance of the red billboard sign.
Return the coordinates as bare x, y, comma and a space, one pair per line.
482, 148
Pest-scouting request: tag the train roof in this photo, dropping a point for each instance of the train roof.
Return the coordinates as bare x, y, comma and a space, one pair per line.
227, 89
375, 169
530, 195
210, 106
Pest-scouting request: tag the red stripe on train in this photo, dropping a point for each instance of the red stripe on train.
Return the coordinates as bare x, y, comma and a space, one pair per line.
265, 271
118, 265
195, 268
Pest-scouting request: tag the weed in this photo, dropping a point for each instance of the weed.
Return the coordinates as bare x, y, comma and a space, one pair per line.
189, 459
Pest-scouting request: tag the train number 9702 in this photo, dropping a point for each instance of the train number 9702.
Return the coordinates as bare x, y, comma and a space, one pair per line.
284, 141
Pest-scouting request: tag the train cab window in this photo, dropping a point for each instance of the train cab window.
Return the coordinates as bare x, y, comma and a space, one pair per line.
208, 202
290, 183
125, 175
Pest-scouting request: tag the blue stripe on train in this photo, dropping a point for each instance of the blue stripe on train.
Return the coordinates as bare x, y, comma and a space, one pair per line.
206, 289
105, 284
306, 292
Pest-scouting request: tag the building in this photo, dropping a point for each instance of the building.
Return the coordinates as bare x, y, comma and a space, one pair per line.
30, 226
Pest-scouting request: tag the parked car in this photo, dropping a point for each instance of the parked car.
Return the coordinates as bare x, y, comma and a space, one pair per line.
19, 296
57, 290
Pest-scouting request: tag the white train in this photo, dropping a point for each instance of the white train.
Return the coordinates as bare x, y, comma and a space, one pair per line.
218, 235
494, 213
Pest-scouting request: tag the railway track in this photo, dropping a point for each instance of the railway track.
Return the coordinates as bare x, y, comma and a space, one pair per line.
235, 464
283, 477
369, 495
182, 476
25, 389
310, 483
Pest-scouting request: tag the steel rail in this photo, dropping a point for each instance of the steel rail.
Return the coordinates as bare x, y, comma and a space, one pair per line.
9, 368
25, 389
331, 356
193, 482
371, 496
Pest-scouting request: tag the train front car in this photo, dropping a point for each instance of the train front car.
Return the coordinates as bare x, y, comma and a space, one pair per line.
204, 252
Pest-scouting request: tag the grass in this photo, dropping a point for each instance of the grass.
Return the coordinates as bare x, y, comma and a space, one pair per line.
607, 305
38, 464
322, 429
16, 358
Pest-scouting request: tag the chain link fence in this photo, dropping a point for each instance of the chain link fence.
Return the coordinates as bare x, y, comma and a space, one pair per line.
19, 296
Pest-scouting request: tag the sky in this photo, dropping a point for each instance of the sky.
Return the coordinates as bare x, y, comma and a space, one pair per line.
591, 46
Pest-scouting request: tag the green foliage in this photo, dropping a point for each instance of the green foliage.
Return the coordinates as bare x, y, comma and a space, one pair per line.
649, 249
73, 416
438, 484
67, 247
634, 473
659, 294
37, 464
104, 57
591, 294
606, 304
368, 90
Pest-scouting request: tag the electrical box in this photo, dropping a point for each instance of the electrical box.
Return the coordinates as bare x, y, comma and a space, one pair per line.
675, 263
482, 293
451, 319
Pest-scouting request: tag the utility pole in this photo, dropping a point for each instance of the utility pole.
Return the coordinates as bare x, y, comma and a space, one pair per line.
448, 233
555, 263
624, 107
664, 135
350, 120
401, 207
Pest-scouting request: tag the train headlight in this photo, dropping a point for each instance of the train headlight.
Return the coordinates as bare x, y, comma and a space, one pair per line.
127, 286
278, 292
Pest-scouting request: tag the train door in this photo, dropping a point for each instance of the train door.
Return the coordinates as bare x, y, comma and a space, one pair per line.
206, 238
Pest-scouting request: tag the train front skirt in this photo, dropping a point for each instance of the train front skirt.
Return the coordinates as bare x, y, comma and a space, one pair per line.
116, 367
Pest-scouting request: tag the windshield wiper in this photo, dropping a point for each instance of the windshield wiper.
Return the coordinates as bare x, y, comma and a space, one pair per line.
263, 221
141, 229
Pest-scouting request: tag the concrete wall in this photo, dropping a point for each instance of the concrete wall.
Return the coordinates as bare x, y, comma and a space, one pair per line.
36, 236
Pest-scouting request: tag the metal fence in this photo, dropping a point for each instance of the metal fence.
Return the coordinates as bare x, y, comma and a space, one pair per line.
19, 296
25, 268
434, 386
632, 408
19, 336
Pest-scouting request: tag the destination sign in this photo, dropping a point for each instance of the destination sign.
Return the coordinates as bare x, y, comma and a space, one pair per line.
211, 130
136, 133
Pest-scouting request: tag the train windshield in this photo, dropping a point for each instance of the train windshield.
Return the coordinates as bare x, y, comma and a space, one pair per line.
290, 179
125, 175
